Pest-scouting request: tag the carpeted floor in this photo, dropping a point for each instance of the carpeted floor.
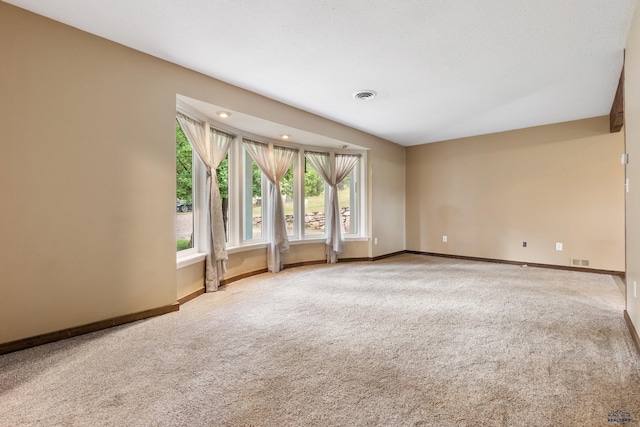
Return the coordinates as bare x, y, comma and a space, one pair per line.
407, 341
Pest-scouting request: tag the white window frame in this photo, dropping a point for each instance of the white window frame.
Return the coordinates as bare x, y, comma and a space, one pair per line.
193, 255
236, 242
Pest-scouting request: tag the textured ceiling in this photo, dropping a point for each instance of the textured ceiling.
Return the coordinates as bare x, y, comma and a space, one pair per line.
442, 69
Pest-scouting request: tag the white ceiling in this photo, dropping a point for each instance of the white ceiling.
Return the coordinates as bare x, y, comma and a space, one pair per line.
442, 69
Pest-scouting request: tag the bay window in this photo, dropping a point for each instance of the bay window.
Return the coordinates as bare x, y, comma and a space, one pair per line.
243, 190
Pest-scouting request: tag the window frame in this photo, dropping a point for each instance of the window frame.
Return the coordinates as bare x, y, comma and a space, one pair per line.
190, 252
236, 242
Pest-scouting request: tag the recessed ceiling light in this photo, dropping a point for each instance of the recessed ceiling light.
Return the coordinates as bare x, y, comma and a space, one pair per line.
365, 95
223, 114
285, 136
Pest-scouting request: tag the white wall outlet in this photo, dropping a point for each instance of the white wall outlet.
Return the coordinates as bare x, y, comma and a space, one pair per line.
375, 240
558, 246
626, 185
444, 239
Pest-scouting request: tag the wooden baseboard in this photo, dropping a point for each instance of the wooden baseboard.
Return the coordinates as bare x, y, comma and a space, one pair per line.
361, 259
304, 263
224, 282
191, 296
379, 257
632, 330
84, 329
502, 261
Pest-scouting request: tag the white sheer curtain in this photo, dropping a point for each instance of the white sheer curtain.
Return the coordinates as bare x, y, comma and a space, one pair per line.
210, 151
333, 169
273, 161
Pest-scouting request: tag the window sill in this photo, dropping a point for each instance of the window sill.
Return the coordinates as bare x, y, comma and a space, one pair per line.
249, 247
185, 261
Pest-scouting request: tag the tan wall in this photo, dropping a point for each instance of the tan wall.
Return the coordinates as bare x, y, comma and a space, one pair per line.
247, 261
548, 184
190, 279
632, 130
87, 174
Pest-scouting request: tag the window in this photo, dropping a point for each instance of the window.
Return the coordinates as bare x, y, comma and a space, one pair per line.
242, 186
349, 201
314, 202
184, 192
252, 197
287, 188
222, 174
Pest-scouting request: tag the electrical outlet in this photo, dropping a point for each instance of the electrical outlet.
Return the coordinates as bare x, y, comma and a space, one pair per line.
375, 240
444, 239
524, 244
558, 246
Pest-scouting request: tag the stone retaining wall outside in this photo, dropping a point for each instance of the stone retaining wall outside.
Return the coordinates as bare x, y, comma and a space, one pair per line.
313, 221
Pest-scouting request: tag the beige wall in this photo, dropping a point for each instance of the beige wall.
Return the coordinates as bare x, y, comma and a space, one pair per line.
190, 279
548, 184
87, 174
632, 130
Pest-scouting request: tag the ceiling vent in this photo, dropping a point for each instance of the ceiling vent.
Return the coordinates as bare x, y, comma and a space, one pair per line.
365, 95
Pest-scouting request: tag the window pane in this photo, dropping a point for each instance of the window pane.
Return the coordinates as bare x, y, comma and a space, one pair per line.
222, 173
287, 189
184, 191
313, 201
252, 191
347, 194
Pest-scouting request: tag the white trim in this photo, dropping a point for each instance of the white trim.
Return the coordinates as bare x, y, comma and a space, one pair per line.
247, 247
356, 238
310, 240
184, 261
194, 258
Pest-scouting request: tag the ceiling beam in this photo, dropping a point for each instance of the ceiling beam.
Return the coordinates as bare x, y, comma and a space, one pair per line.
616, 116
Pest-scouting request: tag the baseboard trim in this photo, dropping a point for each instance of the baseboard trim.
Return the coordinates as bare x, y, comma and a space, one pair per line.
225, 282
632, 330
379, 257
229, 280
502, 261
25, 343
305, 263
361, 259
191, 296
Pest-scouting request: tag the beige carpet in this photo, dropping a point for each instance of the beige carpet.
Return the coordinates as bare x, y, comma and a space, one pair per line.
407, 341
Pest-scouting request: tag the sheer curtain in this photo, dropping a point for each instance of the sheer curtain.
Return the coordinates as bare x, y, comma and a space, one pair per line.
273, 161
210, 152
333, 172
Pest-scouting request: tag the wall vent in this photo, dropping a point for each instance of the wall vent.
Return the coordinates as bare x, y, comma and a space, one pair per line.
580, 262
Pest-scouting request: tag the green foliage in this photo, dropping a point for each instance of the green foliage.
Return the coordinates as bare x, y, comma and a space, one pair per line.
286, 185
257, 180
183, 244
222, 173
313, 182
184, 164
184, 169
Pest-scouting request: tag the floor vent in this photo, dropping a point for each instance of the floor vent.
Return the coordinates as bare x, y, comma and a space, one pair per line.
580, 262
585, 263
